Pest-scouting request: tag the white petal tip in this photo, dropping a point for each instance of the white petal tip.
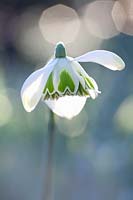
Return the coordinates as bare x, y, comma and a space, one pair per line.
93, 93
26, 105
118, 64
121, 67
28, 109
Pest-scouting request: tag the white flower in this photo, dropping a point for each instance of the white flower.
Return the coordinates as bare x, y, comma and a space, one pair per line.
63, 84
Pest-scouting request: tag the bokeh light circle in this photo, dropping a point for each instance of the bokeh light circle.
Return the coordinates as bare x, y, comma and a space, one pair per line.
124, 116
59, 23
27, 35
98, 19
122, 14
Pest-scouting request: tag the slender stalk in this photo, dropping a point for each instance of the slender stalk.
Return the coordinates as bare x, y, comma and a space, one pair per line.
49, 169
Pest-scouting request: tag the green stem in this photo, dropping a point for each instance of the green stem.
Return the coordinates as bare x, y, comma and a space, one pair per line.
49, 169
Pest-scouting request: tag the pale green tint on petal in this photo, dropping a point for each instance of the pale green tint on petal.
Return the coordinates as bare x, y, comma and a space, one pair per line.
91, 83
106, 58
33, 86
67, 106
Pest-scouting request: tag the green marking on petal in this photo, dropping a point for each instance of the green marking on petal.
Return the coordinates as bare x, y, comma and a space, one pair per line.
66, 86
81, 91
89, 83
66, 81
49, 85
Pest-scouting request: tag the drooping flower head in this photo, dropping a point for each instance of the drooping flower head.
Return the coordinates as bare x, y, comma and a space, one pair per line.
63, 84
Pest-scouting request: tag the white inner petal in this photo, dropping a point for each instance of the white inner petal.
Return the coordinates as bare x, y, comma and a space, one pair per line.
64, 64
67, 106
102, 57
78, 68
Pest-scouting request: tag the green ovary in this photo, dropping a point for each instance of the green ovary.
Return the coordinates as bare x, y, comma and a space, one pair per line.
65, 82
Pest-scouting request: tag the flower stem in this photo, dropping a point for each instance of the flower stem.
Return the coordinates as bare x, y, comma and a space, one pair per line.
49, 167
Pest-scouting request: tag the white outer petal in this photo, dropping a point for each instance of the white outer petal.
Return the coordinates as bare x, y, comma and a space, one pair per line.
67, 106
33, 86
106, 58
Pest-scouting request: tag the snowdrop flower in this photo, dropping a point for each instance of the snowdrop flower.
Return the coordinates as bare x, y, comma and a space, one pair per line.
63, 84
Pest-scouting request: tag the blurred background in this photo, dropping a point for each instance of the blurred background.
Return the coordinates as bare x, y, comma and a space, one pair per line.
93, 153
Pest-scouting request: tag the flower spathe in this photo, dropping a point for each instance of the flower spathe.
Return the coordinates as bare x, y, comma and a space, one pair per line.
63, 84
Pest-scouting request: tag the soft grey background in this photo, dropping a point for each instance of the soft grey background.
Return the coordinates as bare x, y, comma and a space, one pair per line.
93, 153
